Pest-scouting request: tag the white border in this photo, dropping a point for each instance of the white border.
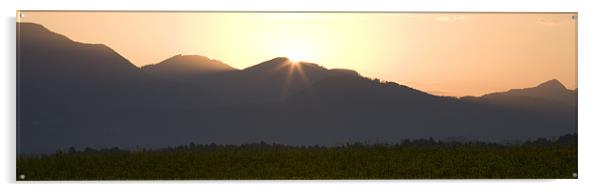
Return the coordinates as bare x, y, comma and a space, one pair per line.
589, 83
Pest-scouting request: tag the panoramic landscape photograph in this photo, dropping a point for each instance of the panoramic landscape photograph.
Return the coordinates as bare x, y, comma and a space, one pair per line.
145, 95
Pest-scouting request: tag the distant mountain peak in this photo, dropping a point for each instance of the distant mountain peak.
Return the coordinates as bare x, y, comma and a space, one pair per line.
551, 90
32, 26
187, 65
272, 64
344, 71
280, 59
197, 60
553, 84
180, 57
58, 49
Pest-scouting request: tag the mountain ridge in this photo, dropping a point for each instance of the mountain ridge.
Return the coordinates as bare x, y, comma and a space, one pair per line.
187, 65
552, 90
73, 94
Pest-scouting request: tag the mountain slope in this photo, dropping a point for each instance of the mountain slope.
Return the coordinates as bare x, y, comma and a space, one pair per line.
63, 83
72, 93
373, 110
56, 72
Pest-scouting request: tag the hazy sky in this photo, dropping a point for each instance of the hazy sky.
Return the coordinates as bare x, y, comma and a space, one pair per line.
444, 54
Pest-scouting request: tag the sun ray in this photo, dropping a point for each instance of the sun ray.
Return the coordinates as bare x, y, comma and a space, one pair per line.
302, 74
287, 80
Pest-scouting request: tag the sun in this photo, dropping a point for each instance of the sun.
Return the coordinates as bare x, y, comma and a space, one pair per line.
297, 57
299, 51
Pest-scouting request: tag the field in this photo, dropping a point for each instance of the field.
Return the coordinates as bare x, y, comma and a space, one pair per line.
422, 159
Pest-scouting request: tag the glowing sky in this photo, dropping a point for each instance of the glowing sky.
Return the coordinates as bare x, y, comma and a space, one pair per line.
453, 54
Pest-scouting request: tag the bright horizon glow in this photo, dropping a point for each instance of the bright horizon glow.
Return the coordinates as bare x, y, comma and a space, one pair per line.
297, 56
298, 50
452, 54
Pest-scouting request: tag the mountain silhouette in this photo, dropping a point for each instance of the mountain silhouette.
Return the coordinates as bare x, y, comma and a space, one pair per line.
186, 66
271, 80
60, 78
87, 95
71, 92
548, 97
45, 52
551, 90
57, 72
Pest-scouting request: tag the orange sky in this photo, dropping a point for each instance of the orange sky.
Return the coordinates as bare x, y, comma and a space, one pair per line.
453, 54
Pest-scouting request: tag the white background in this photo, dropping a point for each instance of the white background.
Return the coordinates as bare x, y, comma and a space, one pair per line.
589, 94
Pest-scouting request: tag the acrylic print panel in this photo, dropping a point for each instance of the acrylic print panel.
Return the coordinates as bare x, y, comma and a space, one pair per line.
300, 95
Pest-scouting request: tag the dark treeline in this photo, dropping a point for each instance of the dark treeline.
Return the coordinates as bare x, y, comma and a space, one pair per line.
568, 139
410, 159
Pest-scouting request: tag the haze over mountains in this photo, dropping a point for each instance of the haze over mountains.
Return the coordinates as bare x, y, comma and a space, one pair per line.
87, 95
